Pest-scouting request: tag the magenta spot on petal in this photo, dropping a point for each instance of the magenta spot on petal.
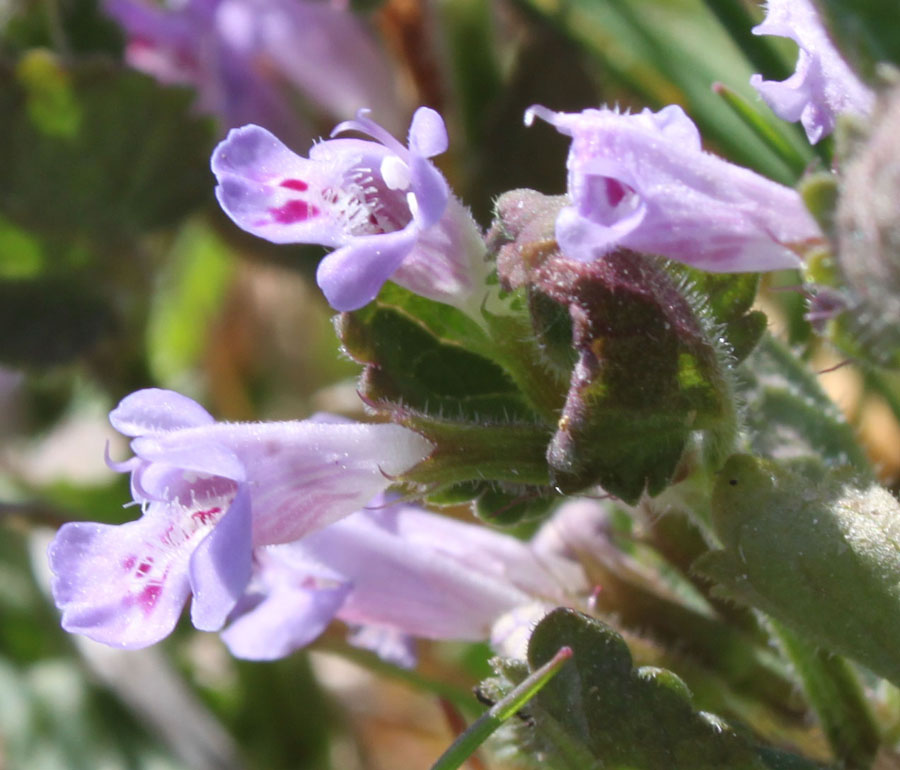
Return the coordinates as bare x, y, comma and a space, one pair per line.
205, 517
295, 184
144, 567
615, 191
128, 563
293, 211
150, 596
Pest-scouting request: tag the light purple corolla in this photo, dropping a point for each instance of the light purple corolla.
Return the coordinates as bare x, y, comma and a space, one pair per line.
210, 493
384, 208
250, 59
393, 573
643, 182
823, 86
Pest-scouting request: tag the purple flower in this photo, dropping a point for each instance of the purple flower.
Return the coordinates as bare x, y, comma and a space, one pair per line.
823, 85
384, 207
391, 573
245, 56
643, 182
210, 492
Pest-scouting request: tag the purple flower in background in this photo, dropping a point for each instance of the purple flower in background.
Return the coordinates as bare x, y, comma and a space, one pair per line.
643, 182
823, 86
244, 57
385, 208
392, 573
210, 492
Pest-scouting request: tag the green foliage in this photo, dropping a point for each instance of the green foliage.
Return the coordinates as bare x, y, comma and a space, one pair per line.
651, 370
866, 31
787, 414
601, 711
819, 551
419, 354
74, 161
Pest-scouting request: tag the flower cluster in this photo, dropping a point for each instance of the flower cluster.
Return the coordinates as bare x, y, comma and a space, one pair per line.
210, 493
272, 530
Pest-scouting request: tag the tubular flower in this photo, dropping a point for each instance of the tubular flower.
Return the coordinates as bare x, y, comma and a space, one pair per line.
210, 492
384, 208
823, 86
643, 182
392, 573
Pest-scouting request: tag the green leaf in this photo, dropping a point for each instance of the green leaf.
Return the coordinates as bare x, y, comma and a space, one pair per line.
602, 712
819, 551
787, 413
418, 353
725, 301
75, 161
653, 366
50, 101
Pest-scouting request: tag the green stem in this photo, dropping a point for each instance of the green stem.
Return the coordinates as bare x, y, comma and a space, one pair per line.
836, 696
467, 743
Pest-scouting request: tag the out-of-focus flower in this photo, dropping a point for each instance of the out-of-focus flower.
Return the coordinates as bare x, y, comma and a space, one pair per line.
643, 182
384, 207
393, 574
823, 86
245, 57
210, 492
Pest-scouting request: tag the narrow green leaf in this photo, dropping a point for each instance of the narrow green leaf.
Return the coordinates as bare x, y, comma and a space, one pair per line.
789, 152
467, 743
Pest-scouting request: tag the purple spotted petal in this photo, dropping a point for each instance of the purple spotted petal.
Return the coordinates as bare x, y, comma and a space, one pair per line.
273, 193
210, 493
126, 585
221, 566
823, 86
385, 208
642, 182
